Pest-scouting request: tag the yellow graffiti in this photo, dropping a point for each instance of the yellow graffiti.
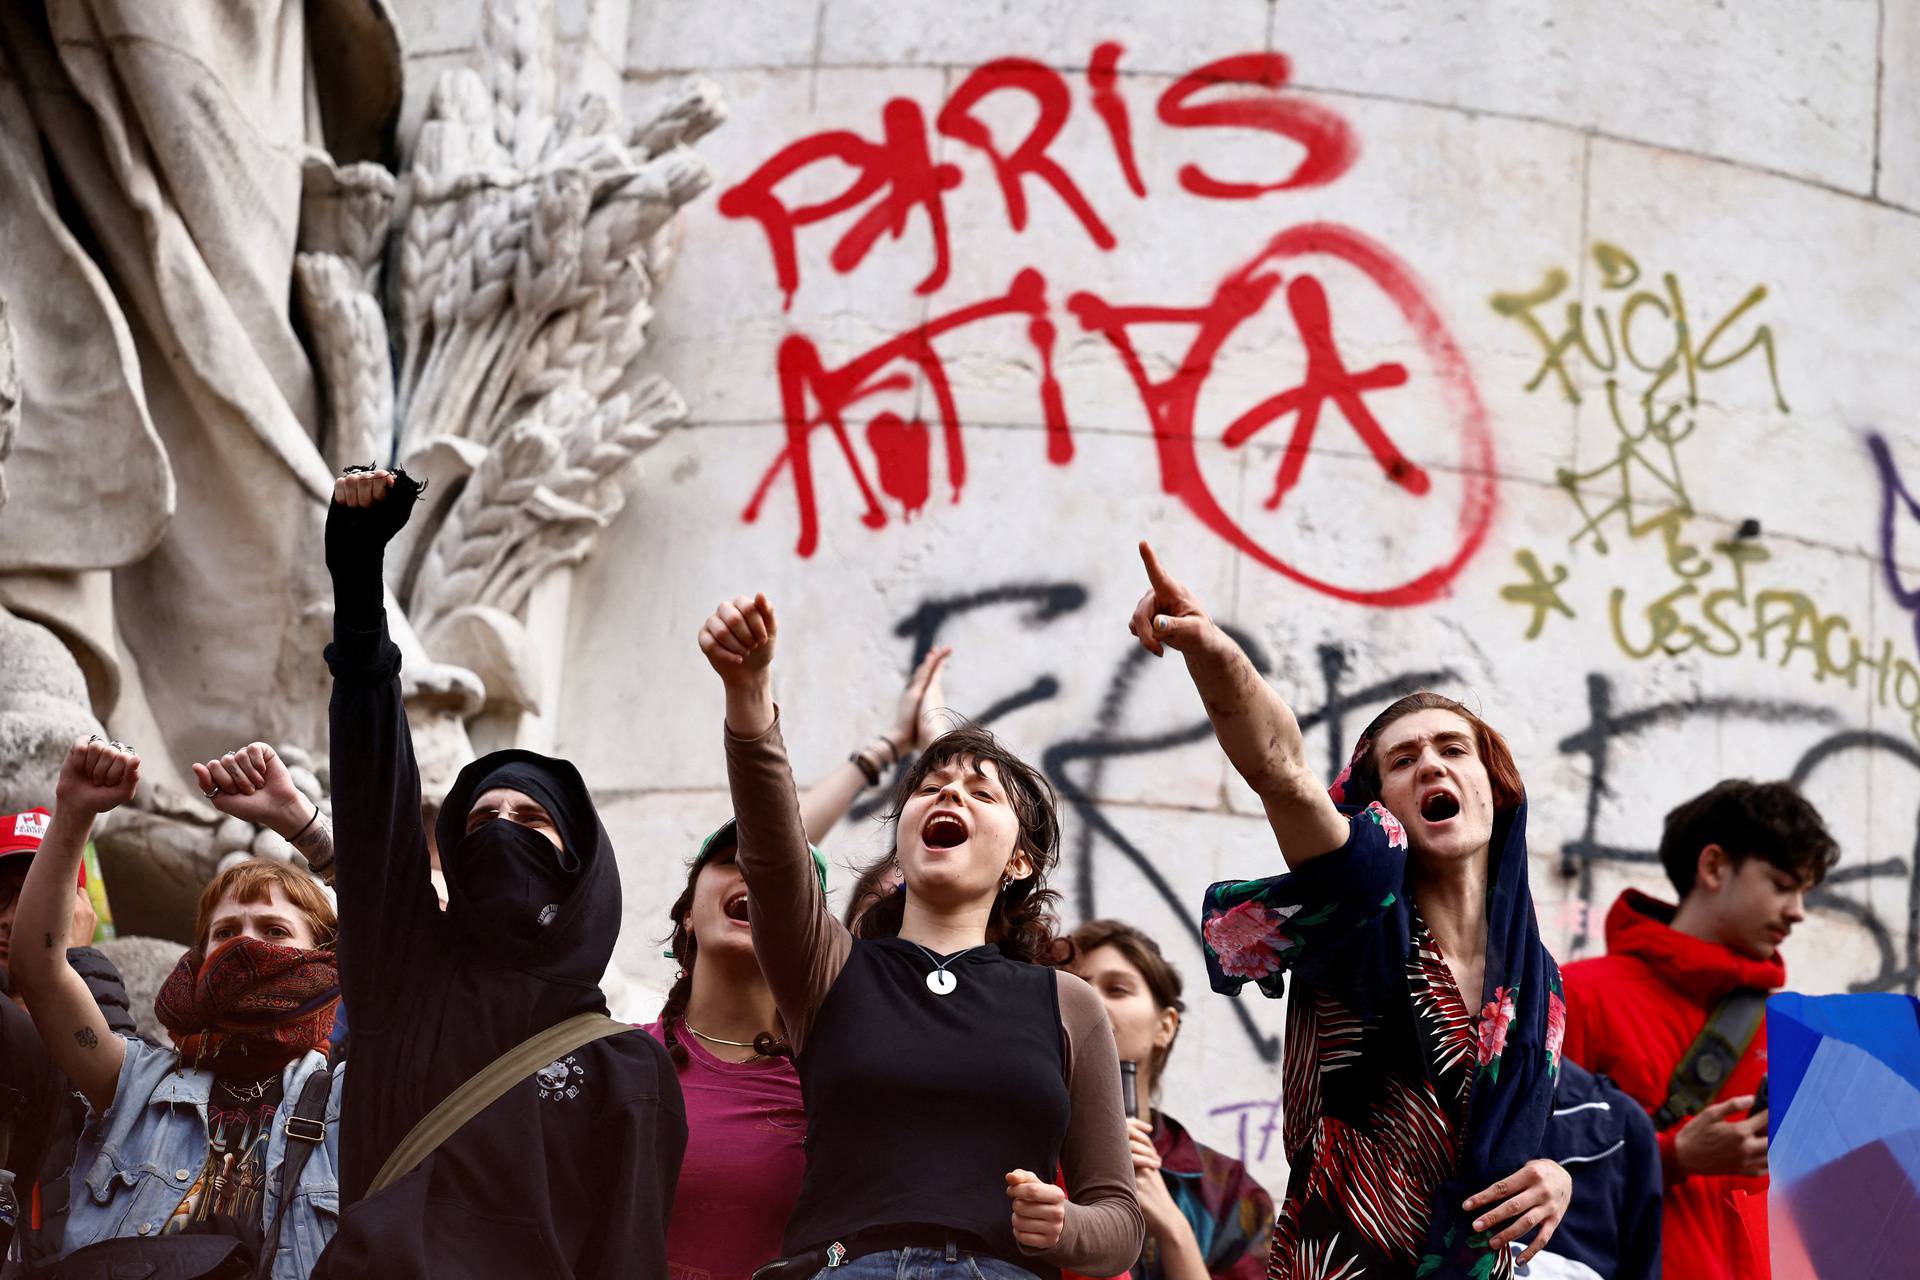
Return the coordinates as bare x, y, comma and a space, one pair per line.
1539, 592
1612, 336
1640, 344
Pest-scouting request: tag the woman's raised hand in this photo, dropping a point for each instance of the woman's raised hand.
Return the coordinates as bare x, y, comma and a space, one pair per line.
1168, 615
252, 784
915, 722
738, 638
1536, 1196
97, 776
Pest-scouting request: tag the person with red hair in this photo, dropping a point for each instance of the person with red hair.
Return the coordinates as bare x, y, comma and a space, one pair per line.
186, 1146
1423, 1034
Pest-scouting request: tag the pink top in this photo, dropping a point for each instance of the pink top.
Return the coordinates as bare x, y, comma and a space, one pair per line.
744, 1161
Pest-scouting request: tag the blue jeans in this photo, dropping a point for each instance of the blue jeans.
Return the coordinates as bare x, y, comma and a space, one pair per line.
925, 1264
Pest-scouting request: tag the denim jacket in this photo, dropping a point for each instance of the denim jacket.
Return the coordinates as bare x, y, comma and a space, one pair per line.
135, 1162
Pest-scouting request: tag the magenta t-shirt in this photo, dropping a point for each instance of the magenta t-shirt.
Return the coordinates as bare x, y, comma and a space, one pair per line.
745, 1158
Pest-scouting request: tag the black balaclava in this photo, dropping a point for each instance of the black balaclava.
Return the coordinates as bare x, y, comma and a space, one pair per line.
510, 893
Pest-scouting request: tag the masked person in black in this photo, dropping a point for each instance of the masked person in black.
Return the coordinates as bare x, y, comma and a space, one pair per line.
571, 1172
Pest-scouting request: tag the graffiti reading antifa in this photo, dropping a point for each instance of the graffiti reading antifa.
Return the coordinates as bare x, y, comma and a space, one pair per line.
896, 181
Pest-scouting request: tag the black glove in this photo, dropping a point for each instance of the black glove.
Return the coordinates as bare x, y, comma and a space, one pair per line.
357, 539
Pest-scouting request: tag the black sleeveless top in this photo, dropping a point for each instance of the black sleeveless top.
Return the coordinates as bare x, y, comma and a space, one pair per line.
919, 1105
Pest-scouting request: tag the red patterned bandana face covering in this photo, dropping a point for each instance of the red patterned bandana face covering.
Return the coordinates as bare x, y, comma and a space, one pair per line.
252, 1009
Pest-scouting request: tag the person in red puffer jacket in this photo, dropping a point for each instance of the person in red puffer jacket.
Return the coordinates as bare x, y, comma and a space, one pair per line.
1743, 857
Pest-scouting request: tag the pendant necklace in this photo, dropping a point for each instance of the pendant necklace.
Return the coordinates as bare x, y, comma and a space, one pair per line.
940, 981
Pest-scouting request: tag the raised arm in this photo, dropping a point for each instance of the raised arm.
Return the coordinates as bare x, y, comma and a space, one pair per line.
253, 785
97, 776
388, 912
1253, 723
801, 947
912, 727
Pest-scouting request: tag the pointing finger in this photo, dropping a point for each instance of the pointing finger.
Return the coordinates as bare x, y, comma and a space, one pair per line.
1162, 584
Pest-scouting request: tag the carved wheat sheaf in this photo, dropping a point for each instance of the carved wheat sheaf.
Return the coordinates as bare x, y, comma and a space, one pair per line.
481, 321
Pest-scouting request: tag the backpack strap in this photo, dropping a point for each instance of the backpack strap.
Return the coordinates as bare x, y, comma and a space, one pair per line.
1712, 1056
306, 1129
487, 1085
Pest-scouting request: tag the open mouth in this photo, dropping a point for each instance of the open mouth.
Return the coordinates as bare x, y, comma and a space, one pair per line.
1438, 806
943, 831
735, 907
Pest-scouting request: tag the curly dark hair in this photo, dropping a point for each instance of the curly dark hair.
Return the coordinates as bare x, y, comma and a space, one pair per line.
1023, 924
1767, 820
686, 951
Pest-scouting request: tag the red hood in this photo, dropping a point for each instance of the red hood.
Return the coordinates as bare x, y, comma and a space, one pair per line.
1704, 971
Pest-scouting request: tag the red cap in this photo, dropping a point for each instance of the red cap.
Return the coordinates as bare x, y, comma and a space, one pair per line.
23, 832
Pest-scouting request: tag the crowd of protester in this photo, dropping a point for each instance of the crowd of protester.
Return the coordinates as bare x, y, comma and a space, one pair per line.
409, 1070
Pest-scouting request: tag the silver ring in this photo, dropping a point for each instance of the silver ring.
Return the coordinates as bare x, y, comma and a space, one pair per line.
118, 745
210, 794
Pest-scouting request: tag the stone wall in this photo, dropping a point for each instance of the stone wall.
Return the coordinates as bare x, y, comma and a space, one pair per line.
1558, 360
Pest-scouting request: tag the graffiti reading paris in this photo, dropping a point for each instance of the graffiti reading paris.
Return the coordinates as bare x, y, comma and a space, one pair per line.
1306, 274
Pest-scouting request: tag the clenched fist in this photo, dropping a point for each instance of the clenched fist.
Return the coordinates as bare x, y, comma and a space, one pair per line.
738, 638
252, 784
96, 776
369, 508
1039, 1210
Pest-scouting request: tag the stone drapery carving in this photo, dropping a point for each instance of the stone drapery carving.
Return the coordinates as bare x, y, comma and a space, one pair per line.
261, 301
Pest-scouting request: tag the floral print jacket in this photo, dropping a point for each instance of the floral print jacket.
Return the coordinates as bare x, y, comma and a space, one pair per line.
1382, 1056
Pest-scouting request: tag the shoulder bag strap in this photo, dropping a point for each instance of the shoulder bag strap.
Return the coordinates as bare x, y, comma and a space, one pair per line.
487, 1086
1712, 1056
306, 1129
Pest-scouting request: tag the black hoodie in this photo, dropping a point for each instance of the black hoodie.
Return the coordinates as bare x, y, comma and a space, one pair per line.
571, 1174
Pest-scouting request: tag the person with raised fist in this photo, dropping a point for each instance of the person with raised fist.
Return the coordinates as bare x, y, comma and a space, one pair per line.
253, 785
224, 1147
37, 1102
950, 1074
570, 1172
1425, 1025
746, 1118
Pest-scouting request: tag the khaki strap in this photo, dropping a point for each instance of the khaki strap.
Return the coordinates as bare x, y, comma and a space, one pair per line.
1710, 1060
487, 1086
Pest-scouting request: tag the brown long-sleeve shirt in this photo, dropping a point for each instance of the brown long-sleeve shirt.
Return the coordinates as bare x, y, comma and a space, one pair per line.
802, 949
